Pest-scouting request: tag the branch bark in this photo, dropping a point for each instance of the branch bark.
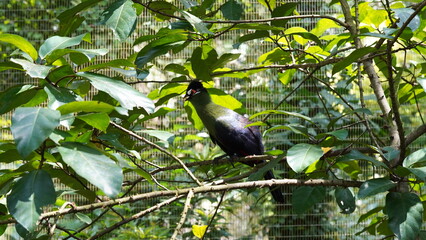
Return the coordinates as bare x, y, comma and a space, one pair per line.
197, 190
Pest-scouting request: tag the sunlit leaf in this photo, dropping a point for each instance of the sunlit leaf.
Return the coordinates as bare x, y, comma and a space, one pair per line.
20, 43
57, 42
300, 156
121, 18
127, 96
32, 69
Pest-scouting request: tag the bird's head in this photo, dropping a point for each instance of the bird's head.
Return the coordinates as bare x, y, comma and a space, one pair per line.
194, 88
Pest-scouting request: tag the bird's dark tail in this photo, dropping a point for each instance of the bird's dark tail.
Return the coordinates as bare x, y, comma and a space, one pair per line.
275, 191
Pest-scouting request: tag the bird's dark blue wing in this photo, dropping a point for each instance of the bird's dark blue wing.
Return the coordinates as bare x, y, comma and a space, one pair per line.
232, 135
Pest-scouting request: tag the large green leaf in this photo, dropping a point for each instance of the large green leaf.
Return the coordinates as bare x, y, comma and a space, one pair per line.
16, 96
96, 120
32, 69
59, 96
197, 23
70, 20
56, 42
121, 18
31, 126
127, 96
415, 163
416, 158
305, 197
86, 54
375, 186
152, 50
232, 10
94, 166
29, 194
20, 43
345, 200
405, 211
300, 156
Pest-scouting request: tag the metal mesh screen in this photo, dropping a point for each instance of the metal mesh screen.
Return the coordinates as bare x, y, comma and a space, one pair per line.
248, 220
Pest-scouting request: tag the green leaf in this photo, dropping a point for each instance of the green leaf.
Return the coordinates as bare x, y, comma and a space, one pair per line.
121, 18
417, 157
155, 49
86, 106
15, 96
84, 218
20, 43
29, 195
32, 69
283, 10
96, 120
232, 10
415, 163
405, 211
10, 66
59, 96
305, 197
374, 186
345, 200
300, 156
31, 126
196, 23
86, 54
70, 20
256, 35
92, 165
357, 155
127, 96
353, 57
164, 7
56, 42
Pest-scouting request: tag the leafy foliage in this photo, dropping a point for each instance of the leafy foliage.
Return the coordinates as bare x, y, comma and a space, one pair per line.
95, 125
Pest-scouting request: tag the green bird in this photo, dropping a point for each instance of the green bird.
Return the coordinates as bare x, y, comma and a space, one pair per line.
228, 129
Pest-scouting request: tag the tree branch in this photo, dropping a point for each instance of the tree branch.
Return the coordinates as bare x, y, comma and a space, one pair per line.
197, 190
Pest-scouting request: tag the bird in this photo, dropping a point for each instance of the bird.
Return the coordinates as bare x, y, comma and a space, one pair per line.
228, 129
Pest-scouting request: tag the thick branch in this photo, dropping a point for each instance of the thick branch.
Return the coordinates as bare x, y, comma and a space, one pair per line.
198, 190
415, 134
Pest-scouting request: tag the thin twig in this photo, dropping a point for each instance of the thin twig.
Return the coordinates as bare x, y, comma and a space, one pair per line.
159, 148
134, 217
184, 214
215, 213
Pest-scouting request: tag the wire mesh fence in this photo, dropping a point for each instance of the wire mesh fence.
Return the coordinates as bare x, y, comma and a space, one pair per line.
248, 219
